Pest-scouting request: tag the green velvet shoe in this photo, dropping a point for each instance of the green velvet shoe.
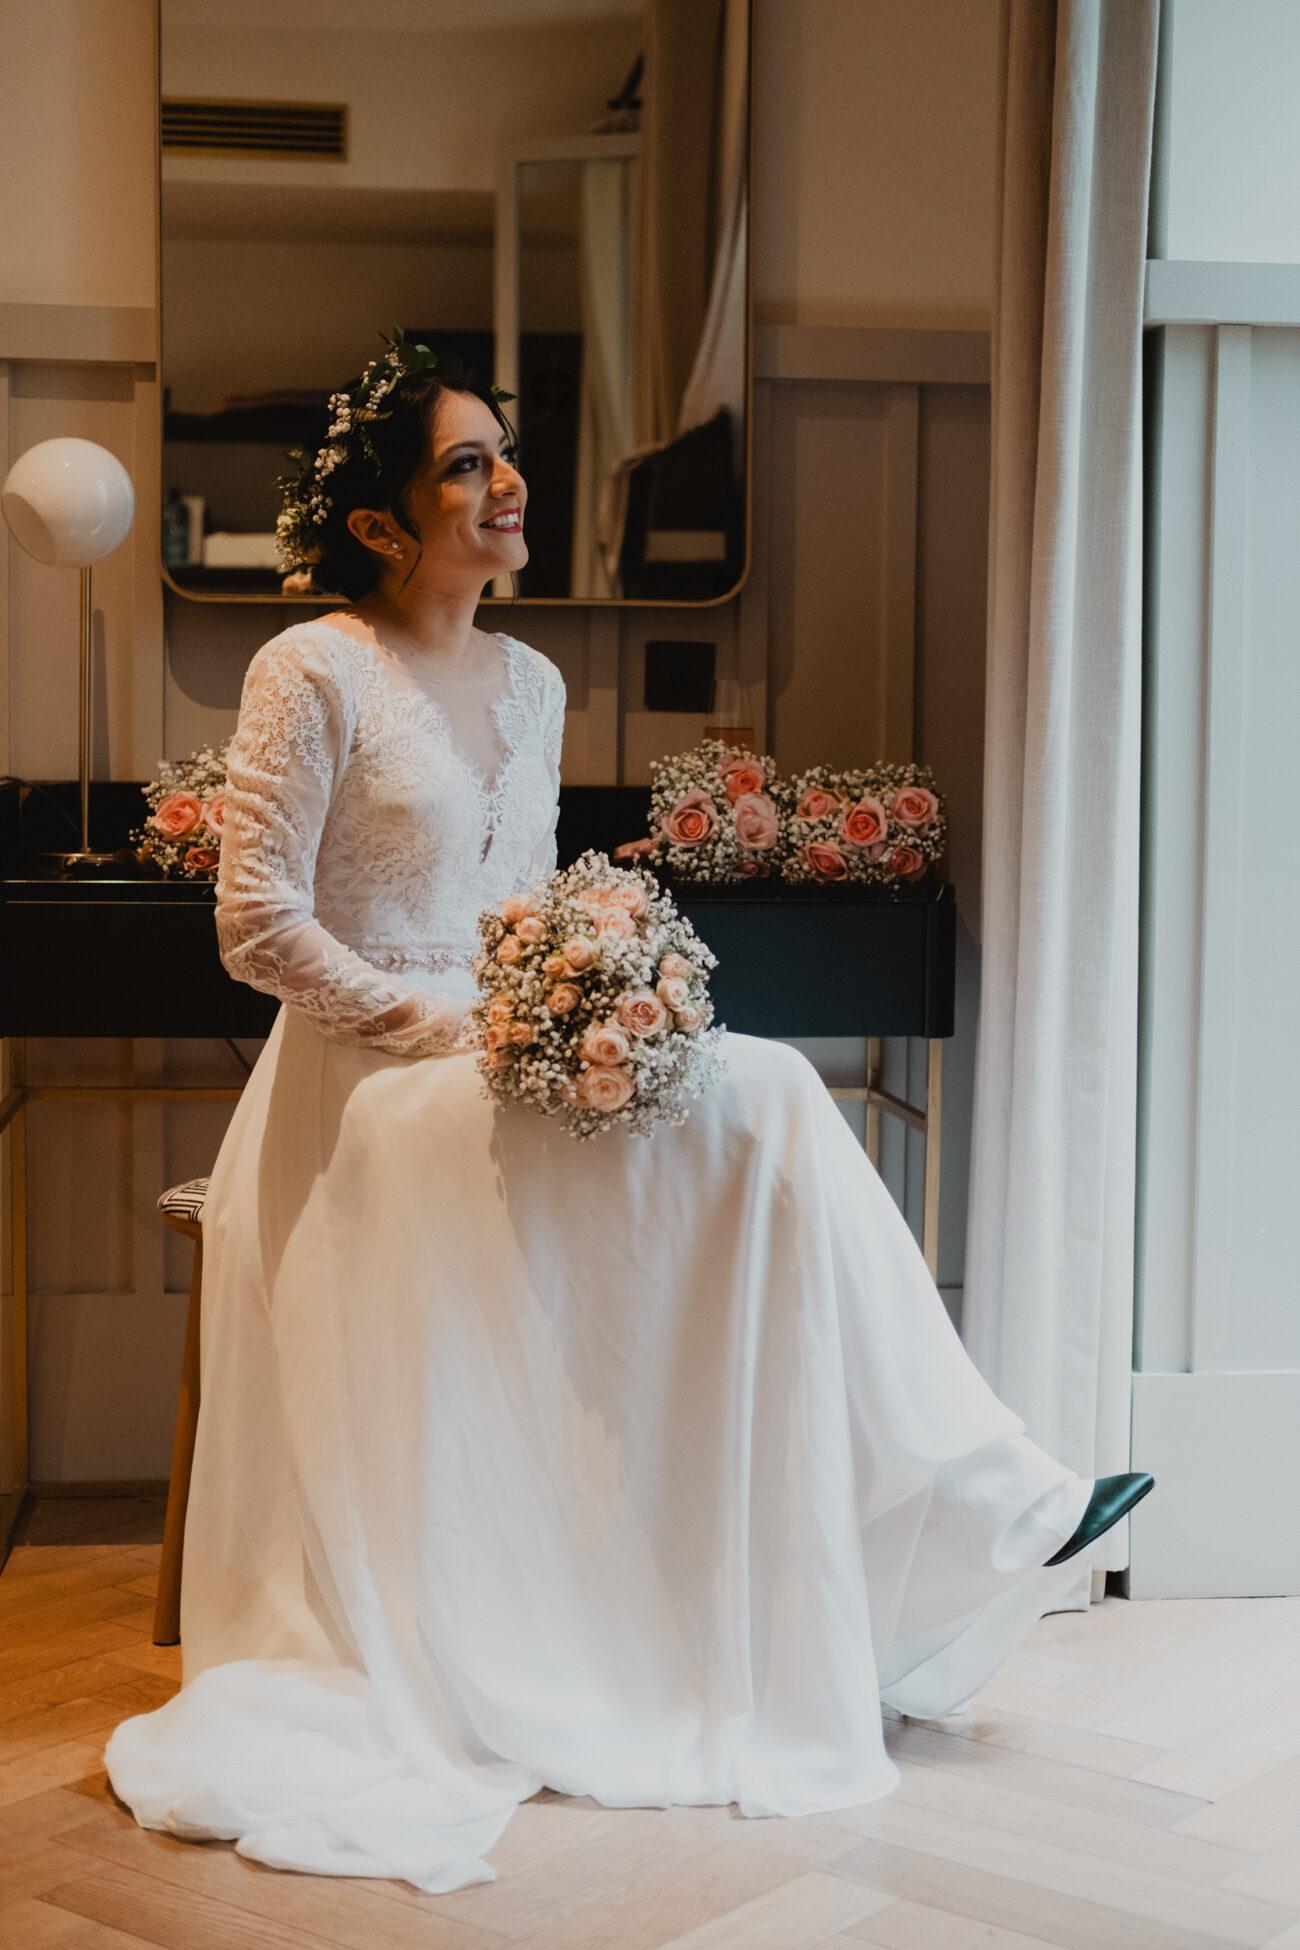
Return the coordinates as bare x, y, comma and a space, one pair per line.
1112, 1498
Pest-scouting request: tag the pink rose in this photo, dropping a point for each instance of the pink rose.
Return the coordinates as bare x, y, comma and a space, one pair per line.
740, 776
745, 868
499, 1011
510, 949
555, 965
691, 821
178, 814
616, 923
604, 1043
864, 824
915, 806
642, 1012
632, 897
515, 908
824, 860
563, 998
496, 1036
689, 1018
531, 929
632, 849
523, 1032
757, 823
605, 1088
675, 965
673, 992
592, 897
907, 862
203, 859
580, 953
817, 803
213, 811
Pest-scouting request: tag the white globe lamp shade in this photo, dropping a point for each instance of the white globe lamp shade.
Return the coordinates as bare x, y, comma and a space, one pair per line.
69, 501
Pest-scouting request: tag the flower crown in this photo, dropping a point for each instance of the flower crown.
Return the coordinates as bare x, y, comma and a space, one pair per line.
305, 502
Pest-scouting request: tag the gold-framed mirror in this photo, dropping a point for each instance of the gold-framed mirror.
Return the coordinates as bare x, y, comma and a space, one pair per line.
556, 190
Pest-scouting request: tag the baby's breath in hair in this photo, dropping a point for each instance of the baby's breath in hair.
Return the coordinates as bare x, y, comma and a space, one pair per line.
306, 500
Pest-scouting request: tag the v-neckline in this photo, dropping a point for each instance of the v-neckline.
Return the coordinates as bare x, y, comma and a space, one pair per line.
489, 792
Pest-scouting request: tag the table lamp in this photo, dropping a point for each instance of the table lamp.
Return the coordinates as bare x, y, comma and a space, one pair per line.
68, 501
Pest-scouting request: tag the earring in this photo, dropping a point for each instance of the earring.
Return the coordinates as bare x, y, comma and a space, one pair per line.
394, 548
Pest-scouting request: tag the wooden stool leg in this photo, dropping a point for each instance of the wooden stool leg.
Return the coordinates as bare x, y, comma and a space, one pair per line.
167, 1610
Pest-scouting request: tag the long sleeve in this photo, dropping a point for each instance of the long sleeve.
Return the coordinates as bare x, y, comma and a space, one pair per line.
543, 861
292, 739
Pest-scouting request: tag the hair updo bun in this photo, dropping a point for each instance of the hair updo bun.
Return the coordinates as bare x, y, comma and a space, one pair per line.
375, 472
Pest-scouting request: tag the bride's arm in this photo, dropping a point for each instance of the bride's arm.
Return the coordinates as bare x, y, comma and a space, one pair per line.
290, 745
542, 864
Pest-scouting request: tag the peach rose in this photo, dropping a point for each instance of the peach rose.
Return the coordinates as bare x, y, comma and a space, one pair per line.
689, 1018
691, 821
907, 862
176, 815
757, 824
914, 806
642, 1012
740, 776
515, 908
817, 803
673, 992
604, 1043
500, 1010
501, 1059
615, 923
510, 949
213, 811
203, 859
675, 965
563, 998
523, 1032
605, 1088
580, 953
555, 965
824, 860
531, 928
632, 849
496, 1036
631, 897
864, 825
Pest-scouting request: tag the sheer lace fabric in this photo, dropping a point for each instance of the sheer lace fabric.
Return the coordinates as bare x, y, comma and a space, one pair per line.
364, 835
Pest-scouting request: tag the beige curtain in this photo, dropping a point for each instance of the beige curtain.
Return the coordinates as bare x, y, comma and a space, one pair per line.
1049, 1283
685, 46
607, 247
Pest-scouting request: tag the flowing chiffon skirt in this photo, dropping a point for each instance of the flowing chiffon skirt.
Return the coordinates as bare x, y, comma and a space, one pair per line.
636, 1469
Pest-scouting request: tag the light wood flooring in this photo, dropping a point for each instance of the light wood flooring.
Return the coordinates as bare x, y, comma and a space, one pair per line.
1130, 1781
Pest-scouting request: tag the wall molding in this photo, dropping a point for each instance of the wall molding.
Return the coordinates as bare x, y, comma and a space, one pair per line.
870, 354
87, 335
1183, 291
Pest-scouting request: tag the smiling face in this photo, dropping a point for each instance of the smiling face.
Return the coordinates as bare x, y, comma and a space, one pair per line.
465, 501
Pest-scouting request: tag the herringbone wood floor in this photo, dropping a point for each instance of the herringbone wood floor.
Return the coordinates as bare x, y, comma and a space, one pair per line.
1131, 1781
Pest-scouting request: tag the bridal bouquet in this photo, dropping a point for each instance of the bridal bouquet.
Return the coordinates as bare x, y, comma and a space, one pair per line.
882, 824
187, 803
716, 813
593, 1001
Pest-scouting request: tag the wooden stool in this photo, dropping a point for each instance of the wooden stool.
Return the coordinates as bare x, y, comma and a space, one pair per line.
182, 1208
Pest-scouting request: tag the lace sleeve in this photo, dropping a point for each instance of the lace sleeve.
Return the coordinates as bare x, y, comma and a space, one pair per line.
544, 851
291, 742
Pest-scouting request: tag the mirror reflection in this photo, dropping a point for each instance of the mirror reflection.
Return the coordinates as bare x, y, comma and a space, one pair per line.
554, 190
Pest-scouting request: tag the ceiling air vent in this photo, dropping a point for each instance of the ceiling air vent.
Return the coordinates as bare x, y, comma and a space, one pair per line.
296, 131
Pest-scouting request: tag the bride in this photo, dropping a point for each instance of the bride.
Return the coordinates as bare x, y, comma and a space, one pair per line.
643, 1470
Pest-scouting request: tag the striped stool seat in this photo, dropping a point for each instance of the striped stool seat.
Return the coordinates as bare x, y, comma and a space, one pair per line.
185, 1201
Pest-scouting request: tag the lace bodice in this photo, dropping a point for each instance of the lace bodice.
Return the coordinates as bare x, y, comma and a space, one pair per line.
361, 844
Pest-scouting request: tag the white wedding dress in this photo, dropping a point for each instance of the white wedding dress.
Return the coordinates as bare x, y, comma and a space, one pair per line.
639, 1469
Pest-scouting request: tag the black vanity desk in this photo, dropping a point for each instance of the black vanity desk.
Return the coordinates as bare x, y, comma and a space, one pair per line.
124, 953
